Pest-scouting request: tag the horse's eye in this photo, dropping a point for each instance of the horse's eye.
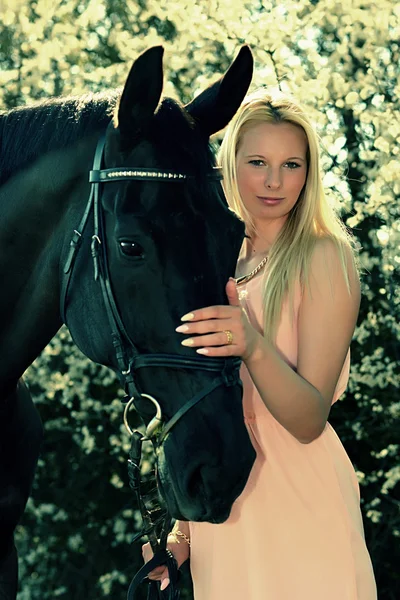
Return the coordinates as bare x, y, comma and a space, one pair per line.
132, 249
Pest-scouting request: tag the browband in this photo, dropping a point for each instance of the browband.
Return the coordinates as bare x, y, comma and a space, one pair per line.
104, 175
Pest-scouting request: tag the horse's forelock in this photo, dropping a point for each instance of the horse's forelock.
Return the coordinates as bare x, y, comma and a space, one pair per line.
178, 129
173, 141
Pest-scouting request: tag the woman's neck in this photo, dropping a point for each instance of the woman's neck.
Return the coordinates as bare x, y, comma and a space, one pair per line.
250, 256
256, 245
264, 235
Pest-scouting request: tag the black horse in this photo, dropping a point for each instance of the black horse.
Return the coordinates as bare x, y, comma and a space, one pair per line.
163, 242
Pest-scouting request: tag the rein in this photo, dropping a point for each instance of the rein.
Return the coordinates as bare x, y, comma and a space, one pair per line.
226, 371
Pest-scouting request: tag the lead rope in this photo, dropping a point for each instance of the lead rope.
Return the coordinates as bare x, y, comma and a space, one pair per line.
162, 556
156, 432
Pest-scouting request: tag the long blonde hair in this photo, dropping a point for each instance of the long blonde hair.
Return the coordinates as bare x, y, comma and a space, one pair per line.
311, 218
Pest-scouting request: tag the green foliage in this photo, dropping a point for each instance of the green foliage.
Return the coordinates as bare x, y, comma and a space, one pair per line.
342, 61
75, 537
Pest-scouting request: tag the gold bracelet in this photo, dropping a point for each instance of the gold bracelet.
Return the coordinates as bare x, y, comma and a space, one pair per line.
177, 533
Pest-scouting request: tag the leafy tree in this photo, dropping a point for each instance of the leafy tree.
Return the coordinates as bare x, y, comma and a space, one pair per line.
342, 61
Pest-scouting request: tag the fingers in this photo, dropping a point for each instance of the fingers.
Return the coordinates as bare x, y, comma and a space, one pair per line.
210, 312
210, 336
232, 293
216, 330
164, 583
159, 573
147, 552
219, 338
202, 327
219, 351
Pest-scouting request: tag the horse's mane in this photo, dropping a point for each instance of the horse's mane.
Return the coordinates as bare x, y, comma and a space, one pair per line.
29, 132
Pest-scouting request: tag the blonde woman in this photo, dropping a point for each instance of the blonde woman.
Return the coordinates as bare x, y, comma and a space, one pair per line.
296, 532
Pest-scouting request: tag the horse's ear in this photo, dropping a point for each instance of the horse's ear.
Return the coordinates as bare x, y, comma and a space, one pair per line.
141, 93
216, 105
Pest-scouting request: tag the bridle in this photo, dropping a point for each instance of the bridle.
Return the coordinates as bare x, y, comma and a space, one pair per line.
226, 371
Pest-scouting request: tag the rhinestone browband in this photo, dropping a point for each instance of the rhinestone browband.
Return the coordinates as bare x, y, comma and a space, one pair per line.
103, 175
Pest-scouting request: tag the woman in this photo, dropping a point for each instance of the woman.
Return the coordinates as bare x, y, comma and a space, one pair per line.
296, 531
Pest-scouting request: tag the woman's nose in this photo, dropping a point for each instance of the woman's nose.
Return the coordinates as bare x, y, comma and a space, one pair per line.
272, 179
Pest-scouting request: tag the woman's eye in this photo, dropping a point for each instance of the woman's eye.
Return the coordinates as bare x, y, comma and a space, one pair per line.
292, 165
257, 163
131, 249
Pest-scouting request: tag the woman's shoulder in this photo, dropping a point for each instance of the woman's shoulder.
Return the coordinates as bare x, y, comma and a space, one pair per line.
333, 266
334, 257
331, 245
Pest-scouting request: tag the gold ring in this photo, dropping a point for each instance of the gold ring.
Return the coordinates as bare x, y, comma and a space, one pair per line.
229, 337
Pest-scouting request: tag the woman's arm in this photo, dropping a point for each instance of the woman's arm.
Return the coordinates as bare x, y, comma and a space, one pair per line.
300, 401
181, 527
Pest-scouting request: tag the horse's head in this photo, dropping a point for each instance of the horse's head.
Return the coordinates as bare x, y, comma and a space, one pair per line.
171, 245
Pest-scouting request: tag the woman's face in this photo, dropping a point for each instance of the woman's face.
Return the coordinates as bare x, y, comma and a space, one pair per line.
271, 167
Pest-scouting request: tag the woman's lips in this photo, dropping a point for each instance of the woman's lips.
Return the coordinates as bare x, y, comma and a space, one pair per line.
269, 200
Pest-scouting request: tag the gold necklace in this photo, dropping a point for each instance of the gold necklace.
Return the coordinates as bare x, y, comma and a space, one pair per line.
253, 273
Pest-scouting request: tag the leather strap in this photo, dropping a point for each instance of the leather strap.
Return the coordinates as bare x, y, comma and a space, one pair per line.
162, 557
144, 174
76, 239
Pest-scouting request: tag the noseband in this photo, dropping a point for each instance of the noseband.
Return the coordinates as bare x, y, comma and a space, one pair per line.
225, 371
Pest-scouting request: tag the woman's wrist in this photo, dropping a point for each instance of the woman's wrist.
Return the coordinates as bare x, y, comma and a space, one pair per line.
181, 530
179, 536
179, 545
256, 351
182, 526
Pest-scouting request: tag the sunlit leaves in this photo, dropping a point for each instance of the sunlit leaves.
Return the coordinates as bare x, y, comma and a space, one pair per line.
342, 60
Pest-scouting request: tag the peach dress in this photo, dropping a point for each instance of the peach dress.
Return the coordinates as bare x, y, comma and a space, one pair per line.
296, 531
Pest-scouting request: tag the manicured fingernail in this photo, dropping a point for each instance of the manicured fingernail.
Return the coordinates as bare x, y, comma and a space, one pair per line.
202, 351
188, 342
182, 328
164, 584
187, 317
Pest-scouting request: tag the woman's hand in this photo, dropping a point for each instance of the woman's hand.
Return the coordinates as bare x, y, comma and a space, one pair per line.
221, 330
179, 549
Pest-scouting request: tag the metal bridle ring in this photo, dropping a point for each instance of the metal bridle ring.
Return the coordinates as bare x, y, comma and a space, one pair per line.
155, 422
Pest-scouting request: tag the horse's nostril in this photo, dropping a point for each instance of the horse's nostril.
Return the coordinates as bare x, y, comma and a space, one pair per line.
194, 483
203, 481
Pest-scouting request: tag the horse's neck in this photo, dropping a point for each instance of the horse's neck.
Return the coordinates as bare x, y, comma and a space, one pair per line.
36, 208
